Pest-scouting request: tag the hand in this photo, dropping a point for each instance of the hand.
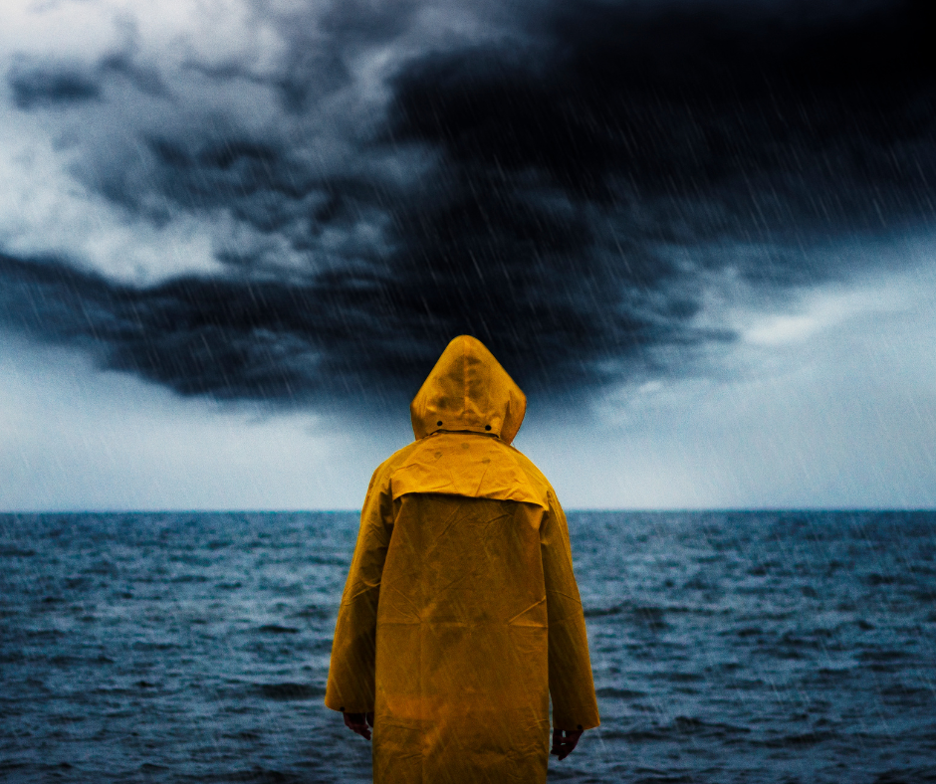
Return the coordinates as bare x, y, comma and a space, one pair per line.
564, 741
361, 723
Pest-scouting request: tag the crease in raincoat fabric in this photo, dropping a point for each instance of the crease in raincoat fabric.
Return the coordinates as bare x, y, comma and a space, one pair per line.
461, 617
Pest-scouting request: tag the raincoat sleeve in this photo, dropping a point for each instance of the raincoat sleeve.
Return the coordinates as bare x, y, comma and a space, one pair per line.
351, 672
571, 687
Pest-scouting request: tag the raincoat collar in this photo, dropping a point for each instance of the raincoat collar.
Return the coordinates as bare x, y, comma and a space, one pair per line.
468, 390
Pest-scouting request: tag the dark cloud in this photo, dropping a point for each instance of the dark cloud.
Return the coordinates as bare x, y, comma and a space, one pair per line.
342, 333
50, 85
36, 84
787, 121
580, 173
197, 336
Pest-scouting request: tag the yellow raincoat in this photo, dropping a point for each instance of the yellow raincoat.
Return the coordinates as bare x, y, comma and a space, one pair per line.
461, 615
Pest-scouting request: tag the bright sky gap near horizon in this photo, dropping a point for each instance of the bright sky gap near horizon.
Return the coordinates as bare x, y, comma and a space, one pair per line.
235, 235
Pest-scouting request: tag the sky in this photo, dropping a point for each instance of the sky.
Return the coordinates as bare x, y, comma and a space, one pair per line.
236, 234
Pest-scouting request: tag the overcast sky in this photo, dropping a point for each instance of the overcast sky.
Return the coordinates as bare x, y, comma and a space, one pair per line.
235, 235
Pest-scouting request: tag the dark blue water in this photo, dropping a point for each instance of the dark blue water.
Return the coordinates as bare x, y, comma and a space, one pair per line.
748, 647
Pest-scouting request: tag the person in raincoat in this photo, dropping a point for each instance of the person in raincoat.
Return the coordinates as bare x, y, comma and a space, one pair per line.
461, 617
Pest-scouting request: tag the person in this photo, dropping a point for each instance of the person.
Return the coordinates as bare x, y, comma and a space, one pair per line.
461, 616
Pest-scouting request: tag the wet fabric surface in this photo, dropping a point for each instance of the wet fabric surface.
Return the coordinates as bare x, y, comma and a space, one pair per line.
461, 616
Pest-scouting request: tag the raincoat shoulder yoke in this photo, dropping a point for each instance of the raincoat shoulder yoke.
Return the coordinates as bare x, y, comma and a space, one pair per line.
468, 465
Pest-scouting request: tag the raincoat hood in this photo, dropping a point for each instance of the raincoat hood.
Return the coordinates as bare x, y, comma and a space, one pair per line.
468, 390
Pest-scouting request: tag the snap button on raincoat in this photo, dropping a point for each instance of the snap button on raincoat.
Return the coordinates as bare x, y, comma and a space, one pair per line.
461, 615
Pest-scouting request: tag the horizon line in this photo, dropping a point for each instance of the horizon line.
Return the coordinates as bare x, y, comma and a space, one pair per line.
576, 510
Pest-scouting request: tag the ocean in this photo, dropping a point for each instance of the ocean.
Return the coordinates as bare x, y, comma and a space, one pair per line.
727, 647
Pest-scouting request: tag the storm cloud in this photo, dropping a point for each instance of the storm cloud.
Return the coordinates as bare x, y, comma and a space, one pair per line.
582, 186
